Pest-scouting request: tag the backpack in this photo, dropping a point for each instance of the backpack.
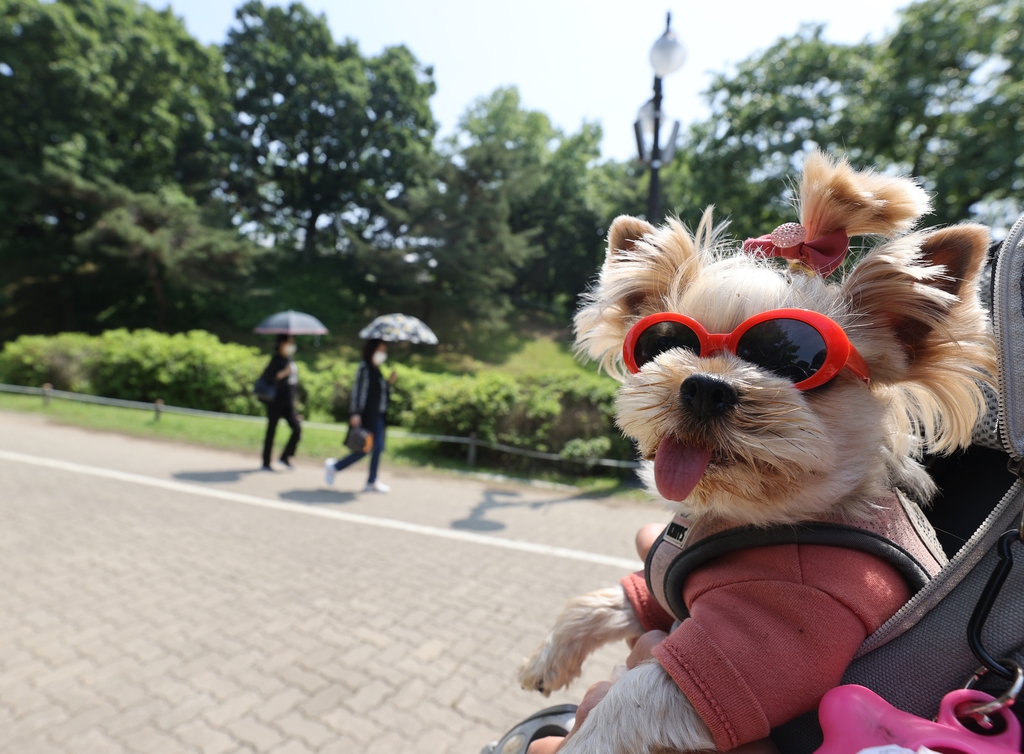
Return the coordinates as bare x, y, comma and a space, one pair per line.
923, 652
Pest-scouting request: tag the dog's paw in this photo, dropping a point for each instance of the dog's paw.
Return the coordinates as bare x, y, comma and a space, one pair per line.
587, 623
542, 672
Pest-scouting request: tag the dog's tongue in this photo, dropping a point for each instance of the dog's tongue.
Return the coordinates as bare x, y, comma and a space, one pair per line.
678, 468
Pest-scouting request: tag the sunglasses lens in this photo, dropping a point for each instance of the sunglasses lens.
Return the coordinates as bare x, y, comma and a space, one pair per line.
661, 337
788, 348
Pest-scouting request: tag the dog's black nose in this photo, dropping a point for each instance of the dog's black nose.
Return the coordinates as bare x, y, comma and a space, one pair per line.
707, 396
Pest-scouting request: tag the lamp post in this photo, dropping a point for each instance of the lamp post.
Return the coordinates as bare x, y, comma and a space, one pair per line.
667, 56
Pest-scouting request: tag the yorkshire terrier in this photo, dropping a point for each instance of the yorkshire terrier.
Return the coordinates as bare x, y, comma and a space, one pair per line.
783, 417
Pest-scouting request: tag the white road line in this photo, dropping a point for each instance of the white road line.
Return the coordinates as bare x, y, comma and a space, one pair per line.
351, 518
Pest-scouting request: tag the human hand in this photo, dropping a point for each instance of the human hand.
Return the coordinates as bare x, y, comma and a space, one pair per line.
393, 378
645, 538
355, 420
641, 648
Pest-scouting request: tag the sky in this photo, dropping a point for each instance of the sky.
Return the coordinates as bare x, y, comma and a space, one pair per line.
576, 60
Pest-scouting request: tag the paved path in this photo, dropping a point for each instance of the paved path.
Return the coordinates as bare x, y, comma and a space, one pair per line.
166, 598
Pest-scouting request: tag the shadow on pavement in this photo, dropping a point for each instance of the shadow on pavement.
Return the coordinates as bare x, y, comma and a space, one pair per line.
215, 477
317, 497
477, 519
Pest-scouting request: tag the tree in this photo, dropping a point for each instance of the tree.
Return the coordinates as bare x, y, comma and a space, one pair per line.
107, 113
131, 260
561, 211
109, 89
323, 138
168, 242
939, 99
462, 248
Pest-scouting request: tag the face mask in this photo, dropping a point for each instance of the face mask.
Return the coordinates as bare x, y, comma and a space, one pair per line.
289, 349
379, 358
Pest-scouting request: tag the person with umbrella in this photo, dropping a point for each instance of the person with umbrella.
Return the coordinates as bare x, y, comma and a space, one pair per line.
368, 408
283, 373
282, 378
369, 403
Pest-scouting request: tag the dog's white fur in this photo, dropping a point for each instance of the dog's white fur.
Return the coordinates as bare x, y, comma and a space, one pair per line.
643, 712
909, 307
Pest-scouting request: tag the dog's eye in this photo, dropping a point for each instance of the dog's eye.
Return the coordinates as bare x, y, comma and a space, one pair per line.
664, 336
788, 348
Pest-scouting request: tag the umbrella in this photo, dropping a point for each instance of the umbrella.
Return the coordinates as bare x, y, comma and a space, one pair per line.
392, 327
291, 323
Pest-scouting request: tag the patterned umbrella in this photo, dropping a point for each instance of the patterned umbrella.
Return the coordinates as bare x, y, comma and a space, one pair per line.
291, 323
392, 327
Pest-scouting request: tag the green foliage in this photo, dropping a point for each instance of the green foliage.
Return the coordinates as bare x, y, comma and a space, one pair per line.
320, 135
545, 413
562, 412
470, 253
107, 111
108, 89
191, 369
62, 361
940, 99
596, 447
80, 252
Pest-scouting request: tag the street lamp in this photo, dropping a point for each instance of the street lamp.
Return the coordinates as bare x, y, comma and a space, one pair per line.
667, 56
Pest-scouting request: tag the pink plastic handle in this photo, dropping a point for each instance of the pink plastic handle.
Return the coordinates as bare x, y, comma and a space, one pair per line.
854, 718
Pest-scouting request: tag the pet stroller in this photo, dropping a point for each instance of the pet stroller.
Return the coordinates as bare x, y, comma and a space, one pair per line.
970, 617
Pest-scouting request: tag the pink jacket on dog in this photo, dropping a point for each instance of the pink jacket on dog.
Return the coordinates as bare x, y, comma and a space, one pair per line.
801, 610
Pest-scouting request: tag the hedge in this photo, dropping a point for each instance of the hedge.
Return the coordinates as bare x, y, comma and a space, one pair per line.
191, 369
570, 414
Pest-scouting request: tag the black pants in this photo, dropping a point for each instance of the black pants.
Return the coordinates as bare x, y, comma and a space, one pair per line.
286, 412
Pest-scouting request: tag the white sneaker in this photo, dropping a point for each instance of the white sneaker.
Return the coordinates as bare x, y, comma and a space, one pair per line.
329, 470
377, 487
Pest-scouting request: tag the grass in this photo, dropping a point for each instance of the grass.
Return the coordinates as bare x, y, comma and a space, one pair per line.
247, 437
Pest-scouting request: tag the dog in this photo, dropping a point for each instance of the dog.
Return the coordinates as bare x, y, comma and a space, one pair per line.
786, 415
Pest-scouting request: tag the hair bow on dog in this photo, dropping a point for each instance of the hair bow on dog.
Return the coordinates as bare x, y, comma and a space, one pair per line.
824, 254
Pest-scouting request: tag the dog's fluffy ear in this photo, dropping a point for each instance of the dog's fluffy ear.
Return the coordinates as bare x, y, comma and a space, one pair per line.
625, 232
834, 196
921, 328
643, 268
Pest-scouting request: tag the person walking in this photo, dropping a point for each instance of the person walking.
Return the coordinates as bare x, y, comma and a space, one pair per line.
368, 409
284, 374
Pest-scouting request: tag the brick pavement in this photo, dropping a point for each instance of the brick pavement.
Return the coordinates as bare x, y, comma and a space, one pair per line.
145, 620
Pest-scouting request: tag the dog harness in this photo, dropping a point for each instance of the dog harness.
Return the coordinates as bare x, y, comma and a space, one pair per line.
897, 532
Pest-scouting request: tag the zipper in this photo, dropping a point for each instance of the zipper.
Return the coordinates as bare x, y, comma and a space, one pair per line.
1007, 311
1007, 321
1004, 516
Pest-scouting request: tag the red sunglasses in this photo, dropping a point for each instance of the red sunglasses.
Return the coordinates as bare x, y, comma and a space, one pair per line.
795, 344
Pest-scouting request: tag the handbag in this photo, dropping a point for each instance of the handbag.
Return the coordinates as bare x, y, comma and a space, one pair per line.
359, 440
264, 390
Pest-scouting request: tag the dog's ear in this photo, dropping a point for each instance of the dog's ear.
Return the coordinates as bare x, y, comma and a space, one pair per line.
625, 232
644, 268
920, 325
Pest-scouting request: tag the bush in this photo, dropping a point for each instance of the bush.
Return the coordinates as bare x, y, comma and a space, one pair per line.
60, 360
327, 389
569, 414
191, 369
